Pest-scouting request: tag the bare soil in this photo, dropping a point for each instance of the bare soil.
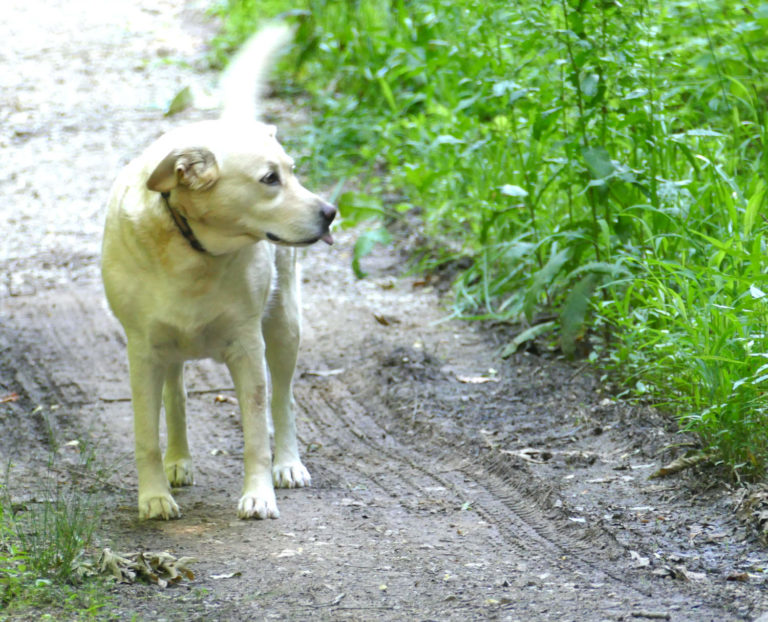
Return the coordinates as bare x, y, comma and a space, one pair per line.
448, 484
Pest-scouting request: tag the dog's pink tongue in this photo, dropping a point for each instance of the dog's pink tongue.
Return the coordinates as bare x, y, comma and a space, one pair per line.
327, 238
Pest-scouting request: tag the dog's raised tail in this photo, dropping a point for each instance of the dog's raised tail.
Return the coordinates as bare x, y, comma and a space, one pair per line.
242, 83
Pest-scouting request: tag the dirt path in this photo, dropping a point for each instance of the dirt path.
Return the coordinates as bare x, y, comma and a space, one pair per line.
442, 490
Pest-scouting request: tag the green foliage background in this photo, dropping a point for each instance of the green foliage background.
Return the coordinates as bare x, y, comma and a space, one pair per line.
599, 162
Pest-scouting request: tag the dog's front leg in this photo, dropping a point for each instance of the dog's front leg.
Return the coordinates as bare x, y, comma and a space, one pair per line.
155, 500
245, 361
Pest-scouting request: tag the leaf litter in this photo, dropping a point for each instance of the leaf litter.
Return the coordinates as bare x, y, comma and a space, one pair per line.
158, 567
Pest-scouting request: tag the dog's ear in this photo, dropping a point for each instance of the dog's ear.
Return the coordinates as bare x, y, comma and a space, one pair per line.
194, 168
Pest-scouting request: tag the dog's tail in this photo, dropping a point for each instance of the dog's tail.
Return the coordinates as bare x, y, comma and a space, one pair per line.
243, 81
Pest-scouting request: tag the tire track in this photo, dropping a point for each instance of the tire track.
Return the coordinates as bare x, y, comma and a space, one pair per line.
524, 527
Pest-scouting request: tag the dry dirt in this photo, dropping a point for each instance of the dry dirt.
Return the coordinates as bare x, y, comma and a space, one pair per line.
448, 484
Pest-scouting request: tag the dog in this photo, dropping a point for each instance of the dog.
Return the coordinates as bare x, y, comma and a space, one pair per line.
199, 261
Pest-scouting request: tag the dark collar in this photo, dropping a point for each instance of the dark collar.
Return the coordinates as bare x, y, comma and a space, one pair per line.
183, 225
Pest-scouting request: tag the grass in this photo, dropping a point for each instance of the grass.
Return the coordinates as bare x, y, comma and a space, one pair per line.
599, 163
43, 543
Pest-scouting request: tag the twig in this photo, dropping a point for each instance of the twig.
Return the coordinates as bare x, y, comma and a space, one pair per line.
653, 615
192, 392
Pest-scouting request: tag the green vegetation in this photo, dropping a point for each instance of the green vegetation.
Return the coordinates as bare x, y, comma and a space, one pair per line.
599, 163
42, 546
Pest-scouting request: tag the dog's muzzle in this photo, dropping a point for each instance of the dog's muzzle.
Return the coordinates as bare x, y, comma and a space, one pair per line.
327, 214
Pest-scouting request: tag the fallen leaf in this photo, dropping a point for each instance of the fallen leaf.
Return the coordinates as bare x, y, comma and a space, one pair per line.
530, 454
219, 399
9, 397
475, 379
322, 373
680, 464
227, 575
160, 568
738, 576
639, 560
181, 101
385, 320
681, 572
347, 502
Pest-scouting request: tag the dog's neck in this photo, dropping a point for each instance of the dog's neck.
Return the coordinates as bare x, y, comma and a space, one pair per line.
183, 225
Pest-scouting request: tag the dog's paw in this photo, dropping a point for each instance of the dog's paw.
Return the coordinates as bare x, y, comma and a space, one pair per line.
292, 475
255, 506
162, 506
179, 473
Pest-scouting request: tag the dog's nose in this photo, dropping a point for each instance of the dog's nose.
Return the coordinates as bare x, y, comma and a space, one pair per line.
327, 212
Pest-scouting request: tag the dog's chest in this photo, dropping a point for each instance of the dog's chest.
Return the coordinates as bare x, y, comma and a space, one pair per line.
203, 320
204, 331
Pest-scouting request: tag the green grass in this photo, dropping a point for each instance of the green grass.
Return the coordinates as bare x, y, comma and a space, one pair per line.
601, 163
43, 544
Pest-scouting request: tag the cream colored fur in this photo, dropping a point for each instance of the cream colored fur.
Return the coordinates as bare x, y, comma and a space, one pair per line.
236, 301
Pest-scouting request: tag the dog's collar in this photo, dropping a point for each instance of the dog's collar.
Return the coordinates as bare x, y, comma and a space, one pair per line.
182, 225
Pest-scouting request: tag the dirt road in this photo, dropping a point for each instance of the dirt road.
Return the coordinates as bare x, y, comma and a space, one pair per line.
448, 484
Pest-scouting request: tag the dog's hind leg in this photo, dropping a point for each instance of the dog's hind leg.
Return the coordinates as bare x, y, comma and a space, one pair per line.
155, 499
281, 326
177, 461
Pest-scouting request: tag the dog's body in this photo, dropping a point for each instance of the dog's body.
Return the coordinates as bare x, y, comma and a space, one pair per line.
191, 271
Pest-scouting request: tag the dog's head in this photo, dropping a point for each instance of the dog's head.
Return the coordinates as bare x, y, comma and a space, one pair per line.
239, 182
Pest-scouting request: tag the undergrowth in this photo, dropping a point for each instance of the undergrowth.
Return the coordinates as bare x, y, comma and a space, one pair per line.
43, 542
600, 163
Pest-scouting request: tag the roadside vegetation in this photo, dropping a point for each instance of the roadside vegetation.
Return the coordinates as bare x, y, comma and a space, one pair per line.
44, 543
596, 169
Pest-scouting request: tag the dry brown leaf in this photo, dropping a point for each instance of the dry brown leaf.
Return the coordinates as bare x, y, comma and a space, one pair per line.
754, 506
227, 575
530, 454
385, 320
324, 373
9, 397
680, 464
225, 398
161, 568
475, 379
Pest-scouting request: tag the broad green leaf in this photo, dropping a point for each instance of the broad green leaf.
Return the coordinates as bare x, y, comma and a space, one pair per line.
753, 205
365, 244
529, 334
387, 93
447, 139
181, 101
575, 311
598, 161
544, 121
356, 207
542, 278
511, 190
589, 84
703, 132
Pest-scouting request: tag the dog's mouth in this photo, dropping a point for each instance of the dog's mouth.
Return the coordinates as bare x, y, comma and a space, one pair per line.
326, 237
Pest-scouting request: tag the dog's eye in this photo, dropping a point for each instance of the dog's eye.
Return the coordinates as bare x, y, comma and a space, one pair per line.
271, 179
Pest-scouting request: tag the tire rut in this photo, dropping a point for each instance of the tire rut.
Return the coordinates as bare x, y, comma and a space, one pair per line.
525, 528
